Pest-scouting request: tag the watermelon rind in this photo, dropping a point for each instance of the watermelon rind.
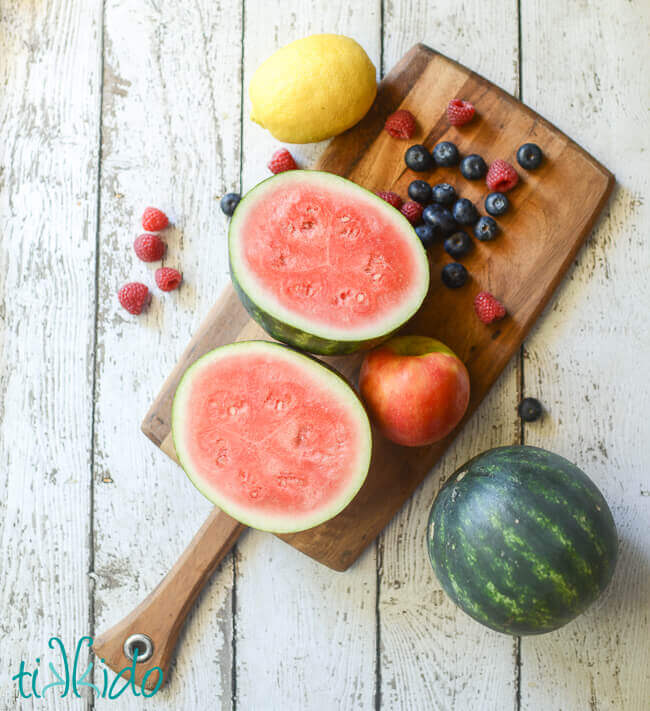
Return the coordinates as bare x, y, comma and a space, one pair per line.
522, 540
287, 523
292, 328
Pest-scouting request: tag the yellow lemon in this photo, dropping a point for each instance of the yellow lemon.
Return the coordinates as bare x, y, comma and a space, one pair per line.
313, 88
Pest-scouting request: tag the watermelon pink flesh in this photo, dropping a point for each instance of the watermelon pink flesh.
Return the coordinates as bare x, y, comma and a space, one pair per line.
329, 258
262, 433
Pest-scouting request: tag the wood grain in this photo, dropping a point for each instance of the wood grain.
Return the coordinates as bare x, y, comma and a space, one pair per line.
588, 359
48, 110
522, 274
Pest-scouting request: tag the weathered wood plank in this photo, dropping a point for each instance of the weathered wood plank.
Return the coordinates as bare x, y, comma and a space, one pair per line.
305, 635
432, 655
170, 138
49, 114
588, 359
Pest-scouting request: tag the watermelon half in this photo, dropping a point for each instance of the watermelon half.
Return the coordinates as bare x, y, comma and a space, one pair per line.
271, 436
522, 540
324, 265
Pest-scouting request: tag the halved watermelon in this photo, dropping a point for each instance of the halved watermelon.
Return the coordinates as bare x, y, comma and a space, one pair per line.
324, 265
271, 436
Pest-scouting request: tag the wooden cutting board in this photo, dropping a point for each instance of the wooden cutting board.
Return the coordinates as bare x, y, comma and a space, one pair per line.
552, 211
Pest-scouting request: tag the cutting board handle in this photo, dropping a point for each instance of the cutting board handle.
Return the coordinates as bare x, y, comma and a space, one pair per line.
156, 622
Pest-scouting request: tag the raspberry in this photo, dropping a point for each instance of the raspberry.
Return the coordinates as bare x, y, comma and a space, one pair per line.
412, 211
149, 248
391, 198
281, 161
401, 124
168, 279
459, 112
501, 176
154, 219
488, 308
134, 297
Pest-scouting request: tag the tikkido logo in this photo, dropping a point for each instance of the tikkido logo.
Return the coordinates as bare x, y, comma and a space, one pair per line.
69, 680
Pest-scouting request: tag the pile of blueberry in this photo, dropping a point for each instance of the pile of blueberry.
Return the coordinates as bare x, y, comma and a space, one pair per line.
445, 213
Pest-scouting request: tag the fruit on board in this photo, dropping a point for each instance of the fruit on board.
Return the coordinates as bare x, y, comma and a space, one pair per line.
460, 112
529, 156
313, 88
271, 436
443, 194
323, 264
464, 212
454, 275
488, 308
473, 167
446, 154
391, 198
420, 191
412, 211
486, 229
501, 176
415, 388
458, 245
427, 235
418, 158
400, 124
440, 218
497, 204
521, 540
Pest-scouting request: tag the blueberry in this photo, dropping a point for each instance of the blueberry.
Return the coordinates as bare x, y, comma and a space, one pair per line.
458, 244
530, 409
496, 204
229, 202
454, 275
420, 191
446, 154
444, 194
427, 234
473, 167
529, 156
418, 158
464, 212
486, 229
439, 217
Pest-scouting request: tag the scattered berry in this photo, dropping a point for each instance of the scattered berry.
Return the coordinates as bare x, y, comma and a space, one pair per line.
459, 112
486, 229
418, 158
149, 248
444, 194
168, 279
440, 218
229, 202
464, 212
473, 167
497, 204
529, 156
391, 198
427, 234
412, 211
487, 308
134, 297
281, 161
401, 124
454, 275
530, 409
154, 219
420, 191
458, 244
501, 177
446, 154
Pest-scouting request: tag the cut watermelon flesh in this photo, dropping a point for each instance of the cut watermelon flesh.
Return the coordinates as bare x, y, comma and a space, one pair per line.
270, 435
326, 256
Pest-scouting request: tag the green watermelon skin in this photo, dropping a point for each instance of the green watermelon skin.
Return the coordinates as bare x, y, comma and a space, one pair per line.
522, 540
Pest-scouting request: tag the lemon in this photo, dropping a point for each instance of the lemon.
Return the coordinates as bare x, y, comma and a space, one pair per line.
313, 88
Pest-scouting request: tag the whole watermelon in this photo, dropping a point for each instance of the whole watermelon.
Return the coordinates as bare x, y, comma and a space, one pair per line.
522, 540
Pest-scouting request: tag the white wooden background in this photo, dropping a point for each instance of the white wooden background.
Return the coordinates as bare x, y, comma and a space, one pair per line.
106, 107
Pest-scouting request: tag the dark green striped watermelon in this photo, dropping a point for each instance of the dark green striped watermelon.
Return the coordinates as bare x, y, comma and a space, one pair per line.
522, 540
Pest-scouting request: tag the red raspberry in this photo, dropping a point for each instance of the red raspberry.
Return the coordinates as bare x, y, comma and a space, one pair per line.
501, 176
412, 211
134, 297
401, 124
280, 161
459, 112
149, 248
154, 219
488, 308
168, 279
391, 198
